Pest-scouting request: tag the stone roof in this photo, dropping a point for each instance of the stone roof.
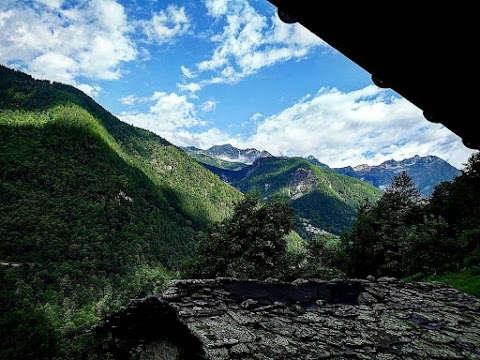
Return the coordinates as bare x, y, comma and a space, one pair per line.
307, 319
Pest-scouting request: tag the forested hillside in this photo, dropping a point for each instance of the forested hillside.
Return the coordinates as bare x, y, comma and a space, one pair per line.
322, 198
94, 212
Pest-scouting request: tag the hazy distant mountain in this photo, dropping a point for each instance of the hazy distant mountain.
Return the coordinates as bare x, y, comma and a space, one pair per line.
231, 153
226, 156
426, 172
205, 158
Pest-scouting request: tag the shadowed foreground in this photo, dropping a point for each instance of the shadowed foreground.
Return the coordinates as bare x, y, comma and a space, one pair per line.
247, 319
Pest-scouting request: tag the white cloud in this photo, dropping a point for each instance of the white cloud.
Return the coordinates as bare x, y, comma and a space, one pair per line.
144, 54
366, 126
53, 4
294, 35
208, 105
175, 109
111, 14
190, 87
90, 39
189, 74
228, 72
90, 90
54, 66
343, 129
129, 100
218, 60
168, 114
250, 41
216, 8
174, 118
256, 116
202, 140
167, 24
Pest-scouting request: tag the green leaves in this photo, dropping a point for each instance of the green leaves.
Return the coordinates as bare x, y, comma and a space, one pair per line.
101, 210
250, 244
402, 234
403, 185
327, 199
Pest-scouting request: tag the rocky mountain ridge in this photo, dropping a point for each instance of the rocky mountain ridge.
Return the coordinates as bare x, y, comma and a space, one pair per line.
426, 171
227, 153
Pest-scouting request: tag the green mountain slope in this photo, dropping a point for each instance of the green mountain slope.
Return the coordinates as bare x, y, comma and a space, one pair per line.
93, 213
323, 199
66, 191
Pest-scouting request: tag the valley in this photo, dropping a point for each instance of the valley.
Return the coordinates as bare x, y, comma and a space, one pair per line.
96, 212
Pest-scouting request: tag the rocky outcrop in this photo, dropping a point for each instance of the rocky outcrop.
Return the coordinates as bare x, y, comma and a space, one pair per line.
306, 319
302, 181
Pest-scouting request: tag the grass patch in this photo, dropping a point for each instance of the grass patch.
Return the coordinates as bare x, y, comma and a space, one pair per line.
467, 280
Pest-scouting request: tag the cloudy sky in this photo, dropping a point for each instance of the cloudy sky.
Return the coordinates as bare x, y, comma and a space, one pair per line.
207, 72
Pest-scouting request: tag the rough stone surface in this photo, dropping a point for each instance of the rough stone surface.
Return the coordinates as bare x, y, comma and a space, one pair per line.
341, 319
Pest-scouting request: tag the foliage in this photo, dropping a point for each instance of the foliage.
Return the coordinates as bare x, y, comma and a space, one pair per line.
403, 185
323, 258
328, 199
94, 212
429, 248
250, 244
402, 234
458, 203
466, 280
377, 242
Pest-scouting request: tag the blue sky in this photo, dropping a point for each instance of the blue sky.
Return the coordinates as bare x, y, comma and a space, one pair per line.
207, 72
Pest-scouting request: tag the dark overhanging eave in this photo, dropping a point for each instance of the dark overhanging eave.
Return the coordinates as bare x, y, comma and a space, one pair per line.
424, 54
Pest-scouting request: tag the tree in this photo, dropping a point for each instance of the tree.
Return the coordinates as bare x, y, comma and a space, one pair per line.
404, 185
429, 248
458, 203
323, 258
250, 244
377, 243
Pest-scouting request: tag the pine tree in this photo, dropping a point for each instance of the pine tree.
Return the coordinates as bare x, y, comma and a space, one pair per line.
378, 240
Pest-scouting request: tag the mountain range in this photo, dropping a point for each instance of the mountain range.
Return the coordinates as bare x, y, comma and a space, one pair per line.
75, 179
56, 144
96, 212
425, 171
325, 199
226, 156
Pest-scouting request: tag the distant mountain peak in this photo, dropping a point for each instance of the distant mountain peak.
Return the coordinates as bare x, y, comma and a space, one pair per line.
312, 159
229, 152
425, 171
416, 159
362, 167
223, 147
